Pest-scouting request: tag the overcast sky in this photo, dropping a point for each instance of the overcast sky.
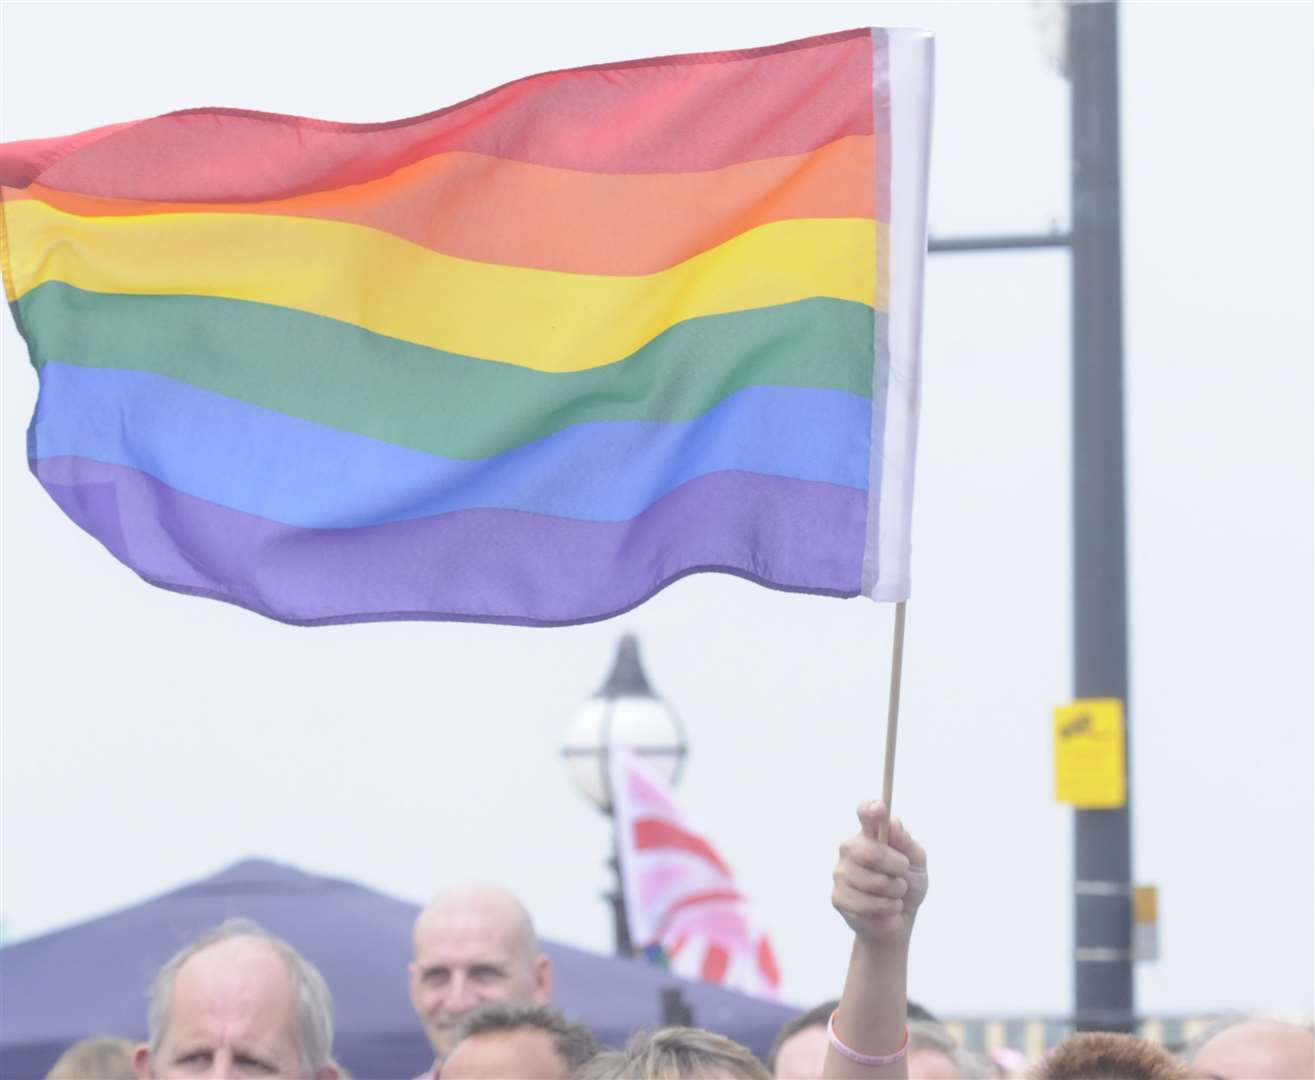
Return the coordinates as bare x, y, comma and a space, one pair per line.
150, 738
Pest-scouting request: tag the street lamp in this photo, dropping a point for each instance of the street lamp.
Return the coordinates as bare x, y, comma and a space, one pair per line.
625, 712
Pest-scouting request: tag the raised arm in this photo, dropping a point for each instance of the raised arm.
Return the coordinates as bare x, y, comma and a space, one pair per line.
878, 887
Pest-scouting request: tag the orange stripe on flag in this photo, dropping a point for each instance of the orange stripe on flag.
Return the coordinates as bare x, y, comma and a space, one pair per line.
472, 206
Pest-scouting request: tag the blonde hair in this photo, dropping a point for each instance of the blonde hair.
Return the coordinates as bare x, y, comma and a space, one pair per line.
101, 1057
675, 1053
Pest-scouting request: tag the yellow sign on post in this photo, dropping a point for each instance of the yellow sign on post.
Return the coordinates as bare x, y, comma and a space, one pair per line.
1089, 769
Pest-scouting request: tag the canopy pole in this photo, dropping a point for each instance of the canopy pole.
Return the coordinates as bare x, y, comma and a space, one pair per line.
892, 720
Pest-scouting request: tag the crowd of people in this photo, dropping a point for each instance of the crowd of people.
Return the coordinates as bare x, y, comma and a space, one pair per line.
239, 1002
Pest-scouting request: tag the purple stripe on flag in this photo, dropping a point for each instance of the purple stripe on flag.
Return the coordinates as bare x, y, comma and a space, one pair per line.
480, 565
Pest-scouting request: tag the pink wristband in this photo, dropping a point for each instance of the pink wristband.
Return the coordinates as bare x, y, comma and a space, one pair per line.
864, 1059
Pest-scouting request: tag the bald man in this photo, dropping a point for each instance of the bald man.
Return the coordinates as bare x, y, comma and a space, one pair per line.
238, 1002
1250, 1049
473, 943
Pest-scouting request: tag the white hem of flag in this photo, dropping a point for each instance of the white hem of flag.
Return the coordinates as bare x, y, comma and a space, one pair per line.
887, 549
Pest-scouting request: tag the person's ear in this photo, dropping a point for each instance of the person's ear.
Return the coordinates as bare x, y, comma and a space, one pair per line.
413, 984
542, 979
141, 1062
329, 1072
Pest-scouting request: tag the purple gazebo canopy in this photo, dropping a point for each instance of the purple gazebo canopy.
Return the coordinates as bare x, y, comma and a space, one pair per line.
91, 978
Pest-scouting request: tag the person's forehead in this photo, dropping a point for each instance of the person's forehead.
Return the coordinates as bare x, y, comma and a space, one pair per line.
802, 1054
1256, 1045
527, 1053
236, 966
466, 936
934, 1064
241, 985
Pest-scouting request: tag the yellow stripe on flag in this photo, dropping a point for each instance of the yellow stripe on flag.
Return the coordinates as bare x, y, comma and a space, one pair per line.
539, 319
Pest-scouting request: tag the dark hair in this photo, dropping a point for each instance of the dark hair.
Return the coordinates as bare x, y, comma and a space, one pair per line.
817, 1016
1099, 1055
917, 1012
573, 1043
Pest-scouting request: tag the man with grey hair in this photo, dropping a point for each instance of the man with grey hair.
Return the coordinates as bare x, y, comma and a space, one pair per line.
473, 943
238, 1002
530, 1042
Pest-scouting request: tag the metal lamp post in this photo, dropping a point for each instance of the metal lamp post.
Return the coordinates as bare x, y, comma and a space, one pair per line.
625, 712
1104, 997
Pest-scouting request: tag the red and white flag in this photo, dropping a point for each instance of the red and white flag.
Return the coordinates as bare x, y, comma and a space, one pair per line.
682, 904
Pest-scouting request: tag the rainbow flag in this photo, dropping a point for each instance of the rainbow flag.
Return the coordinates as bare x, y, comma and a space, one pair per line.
526, 359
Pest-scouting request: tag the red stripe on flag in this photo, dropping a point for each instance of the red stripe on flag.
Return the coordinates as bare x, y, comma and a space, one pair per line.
676, 946
652, 833
715, 962
767, 963
665, 114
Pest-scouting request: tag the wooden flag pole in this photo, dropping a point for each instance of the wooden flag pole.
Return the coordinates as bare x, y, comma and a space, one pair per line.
892, 720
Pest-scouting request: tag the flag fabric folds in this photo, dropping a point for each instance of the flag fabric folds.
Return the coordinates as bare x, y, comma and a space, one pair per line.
682, 904
526, 359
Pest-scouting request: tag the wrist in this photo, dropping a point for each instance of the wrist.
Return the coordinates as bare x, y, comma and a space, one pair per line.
846, 1051
886, 946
